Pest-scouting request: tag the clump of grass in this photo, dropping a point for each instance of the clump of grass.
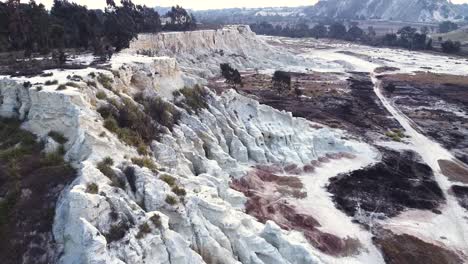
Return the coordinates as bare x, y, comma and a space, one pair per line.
171, 181
101, 95
102, 134
143, 230
171, 200
105, 167
396, 135
194, 99
39, 88
91, 84
160, 111
92, 188
51, 82
156, 220
27, 85
52, 159
179, 191
145, 162
105, 80
92, 74
49, 74
58, 137
72, 84
61, 87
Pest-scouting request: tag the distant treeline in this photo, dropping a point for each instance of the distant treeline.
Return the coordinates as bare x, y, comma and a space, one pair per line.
32, 28
406, 37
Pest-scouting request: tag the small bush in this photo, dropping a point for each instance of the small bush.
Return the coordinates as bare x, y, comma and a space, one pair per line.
396, 135
179, 191
156, 220
27, 85
194, 99
116, 232
52, 159
58, 137
131, 177
145, 162
102, 134
108, 161
92, 188
101, 95
39, 88
171, 181
160, 111
171, 200
143, 230
49, 74
106, 169
49, 82
92, 74
61, 87
105, 81
111, 125
72, 84
91, 84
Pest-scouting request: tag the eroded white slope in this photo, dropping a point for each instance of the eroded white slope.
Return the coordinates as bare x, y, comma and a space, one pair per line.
203, 153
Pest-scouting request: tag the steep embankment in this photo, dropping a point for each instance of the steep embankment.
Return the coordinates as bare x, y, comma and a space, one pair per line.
155, 163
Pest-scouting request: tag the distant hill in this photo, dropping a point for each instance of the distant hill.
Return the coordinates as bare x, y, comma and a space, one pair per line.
394, 10
401, 10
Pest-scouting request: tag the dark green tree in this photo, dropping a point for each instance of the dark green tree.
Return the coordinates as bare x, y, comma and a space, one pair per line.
337, 30
281, 81
231, 75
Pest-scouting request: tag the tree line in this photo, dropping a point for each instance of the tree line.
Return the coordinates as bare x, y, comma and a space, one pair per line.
406, 37
31, 28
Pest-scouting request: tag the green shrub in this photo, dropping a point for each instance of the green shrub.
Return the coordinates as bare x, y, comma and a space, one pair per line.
91, 84
101, 95
171, 181
160, 111
61, 87
396, 135
179, 191
143, 230
72, 84
156, 220
39, 88
105, 81
145, 162
194, 99
49, 74
49, 82
171, 200
52, 159
111, 125
92, 74
92, 188
108, 161
58, 137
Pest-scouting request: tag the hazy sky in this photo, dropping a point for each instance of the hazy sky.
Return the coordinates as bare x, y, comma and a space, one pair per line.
204, 4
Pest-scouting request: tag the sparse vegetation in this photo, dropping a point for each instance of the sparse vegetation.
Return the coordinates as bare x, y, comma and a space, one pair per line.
194, 99
58, 137
160, 111
179, 191
143, 230
72, 84
105, 81
51, 82
92, 188
171, 200
171, 181
61, 87
145, 162
24, 166
101, 95
396, 135
156, 220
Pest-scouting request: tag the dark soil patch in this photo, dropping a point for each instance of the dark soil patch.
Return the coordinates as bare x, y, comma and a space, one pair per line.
399, 182
406, 249
461, 192
454, 171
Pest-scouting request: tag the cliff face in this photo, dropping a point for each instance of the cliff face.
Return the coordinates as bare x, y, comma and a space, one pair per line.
403, 10
200, 52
